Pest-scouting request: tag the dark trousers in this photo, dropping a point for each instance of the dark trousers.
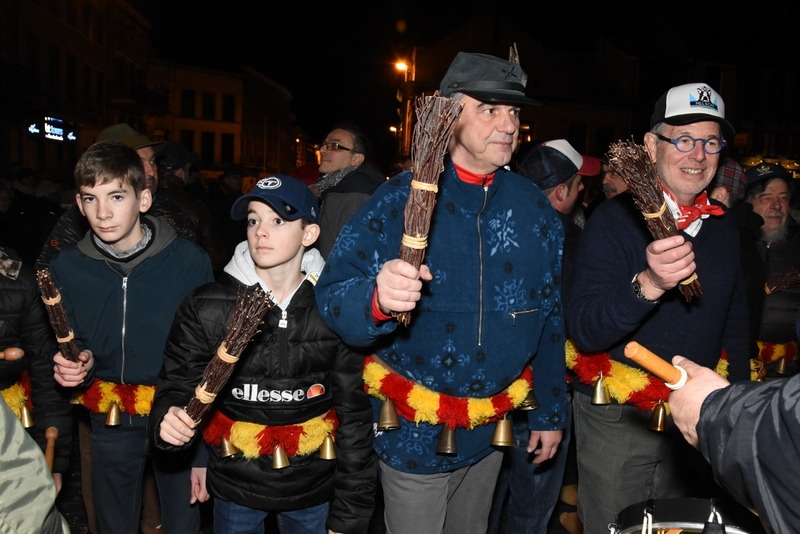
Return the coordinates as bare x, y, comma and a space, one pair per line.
119, 460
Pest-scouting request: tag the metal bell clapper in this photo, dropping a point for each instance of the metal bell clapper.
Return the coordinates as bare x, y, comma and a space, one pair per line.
113, 415
658, 420
503, 434
447, 441
530, 402
226, 448
279, 458
780, 366
327, 451
388, 420
600, 396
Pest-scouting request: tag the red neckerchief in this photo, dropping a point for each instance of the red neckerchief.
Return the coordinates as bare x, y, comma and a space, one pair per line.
472, 178
701, 207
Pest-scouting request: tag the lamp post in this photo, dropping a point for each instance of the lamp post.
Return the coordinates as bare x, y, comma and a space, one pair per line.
409, 77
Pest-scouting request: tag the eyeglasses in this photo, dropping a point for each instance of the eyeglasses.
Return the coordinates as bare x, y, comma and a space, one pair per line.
332, 145
686, 143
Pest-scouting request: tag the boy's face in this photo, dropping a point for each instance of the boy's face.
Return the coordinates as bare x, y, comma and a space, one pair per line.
112, 210
276, 242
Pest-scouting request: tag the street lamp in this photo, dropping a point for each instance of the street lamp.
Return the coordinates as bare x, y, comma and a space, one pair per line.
409, 77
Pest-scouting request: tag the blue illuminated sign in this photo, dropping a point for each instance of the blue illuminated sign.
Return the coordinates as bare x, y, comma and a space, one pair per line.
54, 129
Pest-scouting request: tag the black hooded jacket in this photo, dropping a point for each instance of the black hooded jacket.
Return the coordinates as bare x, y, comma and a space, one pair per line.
304, 353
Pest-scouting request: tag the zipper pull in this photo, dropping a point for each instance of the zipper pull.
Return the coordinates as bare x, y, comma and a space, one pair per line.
283, 322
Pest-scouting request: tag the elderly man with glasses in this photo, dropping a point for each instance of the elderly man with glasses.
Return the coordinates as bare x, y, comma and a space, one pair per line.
346, 181
626, 288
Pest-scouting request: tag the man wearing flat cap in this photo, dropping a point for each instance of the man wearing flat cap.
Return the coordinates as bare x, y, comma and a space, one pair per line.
770, 188
485, 310
626, 287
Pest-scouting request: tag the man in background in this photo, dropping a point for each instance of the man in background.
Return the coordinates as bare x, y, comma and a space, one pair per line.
347, 181
175, 162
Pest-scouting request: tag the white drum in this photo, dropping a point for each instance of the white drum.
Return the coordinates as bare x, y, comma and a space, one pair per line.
674, 516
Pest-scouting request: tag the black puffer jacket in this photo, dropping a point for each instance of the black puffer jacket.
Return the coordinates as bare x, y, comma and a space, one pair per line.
304, 353
24, 324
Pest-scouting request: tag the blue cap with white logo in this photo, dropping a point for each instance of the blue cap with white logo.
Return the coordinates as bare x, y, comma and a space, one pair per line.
289, 197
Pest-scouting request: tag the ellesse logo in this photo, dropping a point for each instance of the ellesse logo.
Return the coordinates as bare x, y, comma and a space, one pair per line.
252, 393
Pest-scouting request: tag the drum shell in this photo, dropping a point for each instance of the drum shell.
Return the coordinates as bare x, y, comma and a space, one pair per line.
690, 514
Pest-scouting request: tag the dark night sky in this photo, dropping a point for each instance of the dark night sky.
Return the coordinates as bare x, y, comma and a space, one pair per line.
336, 58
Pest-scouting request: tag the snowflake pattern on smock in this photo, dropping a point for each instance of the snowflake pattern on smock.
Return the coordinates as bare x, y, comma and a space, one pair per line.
505, 234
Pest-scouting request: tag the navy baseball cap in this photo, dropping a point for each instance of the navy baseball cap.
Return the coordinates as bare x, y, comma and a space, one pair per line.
288, 196
766, 171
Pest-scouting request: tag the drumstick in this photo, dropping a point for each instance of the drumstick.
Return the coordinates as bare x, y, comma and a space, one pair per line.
673, 377
12, 353
51, 435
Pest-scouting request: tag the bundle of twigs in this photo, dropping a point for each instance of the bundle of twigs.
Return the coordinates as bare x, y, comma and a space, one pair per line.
57, 315
633, 164
787, 279
251, 306
436, 119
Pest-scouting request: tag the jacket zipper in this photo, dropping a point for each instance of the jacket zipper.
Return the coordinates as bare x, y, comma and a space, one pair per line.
124, 322
282, 324
480, 264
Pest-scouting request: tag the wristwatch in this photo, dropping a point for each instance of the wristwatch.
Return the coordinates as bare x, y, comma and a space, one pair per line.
637, 290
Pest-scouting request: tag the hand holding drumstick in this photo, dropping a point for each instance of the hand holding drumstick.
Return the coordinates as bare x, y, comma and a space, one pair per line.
674, 377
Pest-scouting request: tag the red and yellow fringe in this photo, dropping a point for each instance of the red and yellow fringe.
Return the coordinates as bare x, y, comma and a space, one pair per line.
772, 352
415, 402
132, 399
626, 384
18, 395
256, 440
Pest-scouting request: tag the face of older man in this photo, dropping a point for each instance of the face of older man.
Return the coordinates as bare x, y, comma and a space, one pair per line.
486, 135
613, 184
148, 157
336, 152
684, 174
773, 206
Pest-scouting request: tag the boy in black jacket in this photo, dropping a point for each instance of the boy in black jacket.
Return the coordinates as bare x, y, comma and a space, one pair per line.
294, 384
120, 285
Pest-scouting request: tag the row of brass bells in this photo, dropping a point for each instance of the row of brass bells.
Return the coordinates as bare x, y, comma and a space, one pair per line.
658, 419
25, 416
600, 395
113, 415
388, 420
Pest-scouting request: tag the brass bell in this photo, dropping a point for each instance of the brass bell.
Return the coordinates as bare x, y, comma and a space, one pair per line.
447, 441
780, 366
601, 396
279, 458
25, 416
327, 451
658, 421
226, 448
503, 434
388, 420
112, 417
530, 402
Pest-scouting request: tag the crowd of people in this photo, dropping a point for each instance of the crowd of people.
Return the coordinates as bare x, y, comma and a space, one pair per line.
481, 389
